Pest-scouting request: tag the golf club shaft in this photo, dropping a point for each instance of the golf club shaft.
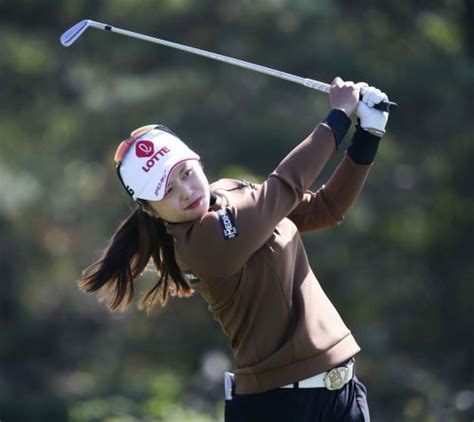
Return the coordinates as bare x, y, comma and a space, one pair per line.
310, 83
320, 86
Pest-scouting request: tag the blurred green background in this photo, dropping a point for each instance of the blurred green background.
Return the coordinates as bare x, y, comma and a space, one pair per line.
400, 270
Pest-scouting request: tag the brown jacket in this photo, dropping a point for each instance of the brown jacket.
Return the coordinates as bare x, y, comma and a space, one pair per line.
253, 271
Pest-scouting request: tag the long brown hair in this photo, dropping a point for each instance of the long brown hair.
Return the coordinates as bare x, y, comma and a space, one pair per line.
138, 238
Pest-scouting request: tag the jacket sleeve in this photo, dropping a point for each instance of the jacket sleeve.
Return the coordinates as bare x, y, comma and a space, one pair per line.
259, 211
327, 207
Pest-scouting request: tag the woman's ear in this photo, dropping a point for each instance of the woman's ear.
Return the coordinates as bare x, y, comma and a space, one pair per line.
145, 207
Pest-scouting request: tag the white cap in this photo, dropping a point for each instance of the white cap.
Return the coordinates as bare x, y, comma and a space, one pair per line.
150, 156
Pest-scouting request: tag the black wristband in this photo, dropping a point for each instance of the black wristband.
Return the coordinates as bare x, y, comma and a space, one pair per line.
339, 124
363, 146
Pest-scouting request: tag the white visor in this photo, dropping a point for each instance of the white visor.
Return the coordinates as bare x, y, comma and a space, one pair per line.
146, 167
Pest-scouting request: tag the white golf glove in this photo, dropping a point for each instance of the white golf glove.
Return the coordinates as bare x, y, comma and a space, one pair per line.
371, 119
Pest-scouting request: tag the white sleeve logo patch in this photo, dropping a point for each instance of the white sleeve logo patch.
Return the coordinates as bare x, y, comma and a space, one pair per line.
227, 222
192, 278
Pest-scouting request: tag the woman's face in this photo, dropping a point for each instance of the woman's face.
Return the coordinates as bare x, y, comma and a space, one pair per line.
187, 196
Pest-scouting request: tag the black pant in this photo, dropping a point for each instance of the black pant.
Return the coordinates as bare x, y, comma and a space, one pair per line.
301, 405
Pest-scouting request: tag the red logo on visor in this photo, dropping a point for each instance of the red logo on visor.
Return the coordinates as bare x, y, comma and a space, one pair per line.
144, 149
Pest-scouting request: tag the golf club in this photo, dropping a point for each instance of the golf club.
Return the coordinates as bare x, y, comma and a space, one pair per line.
73, 33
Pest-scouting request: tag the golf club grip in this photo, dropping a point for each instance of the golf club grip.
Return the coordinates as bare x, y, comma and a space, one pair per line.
387, 106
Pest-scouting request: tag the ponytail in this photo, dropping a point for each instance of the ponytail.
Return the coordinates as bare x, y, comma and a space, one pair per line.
138, 238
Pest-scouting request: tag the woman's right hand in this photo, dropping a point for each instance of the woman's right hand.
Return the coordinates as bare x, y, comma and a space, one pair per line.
345, 95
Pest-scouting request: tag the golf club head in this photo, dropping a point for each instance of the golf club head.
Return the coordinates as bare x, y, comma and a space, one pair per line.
73, 33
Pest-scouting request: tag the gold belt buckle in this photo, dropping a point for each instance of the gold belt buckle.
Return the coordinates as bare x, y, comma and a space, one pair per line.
336, 378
